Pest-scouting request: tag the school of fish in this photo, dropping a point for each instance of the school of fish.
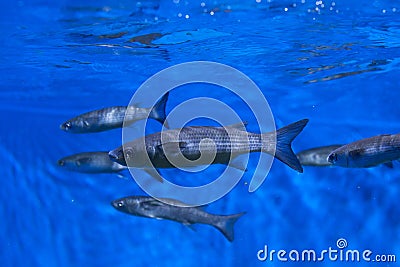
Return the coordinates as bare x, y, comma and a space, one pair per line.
199, 145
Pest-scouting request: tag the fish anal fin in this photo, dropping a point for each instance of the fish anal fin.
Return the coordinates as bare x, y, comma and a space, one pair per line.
389, 164
155, 174
190, 226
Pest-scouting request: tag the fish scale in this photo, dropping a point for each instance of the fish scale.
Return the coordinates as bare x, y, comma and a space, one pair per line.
236, 141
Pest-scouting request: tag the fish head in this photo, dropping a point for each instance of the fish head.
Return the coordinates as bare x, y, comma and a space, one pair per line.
66, 162
75, 163
77, 125
66, 126
130, 205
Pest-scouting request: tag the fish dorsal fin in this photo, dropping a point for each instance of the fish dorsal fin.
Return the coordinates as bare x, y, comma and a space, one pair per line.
239, 126
238, 164
153, 203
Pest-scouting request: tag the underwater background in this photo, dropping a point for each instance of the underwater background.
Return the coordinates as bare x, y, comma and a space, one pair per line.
336, 63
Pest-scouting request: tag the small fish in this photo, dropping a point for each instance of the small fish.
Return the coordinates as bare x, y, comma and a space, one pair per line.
219, 147
317, 156
113, 117
90, 162
151, 208
369, 152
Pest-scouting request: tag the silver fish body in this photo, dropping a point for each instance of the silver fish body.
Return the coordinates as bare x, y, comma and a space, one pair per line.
205, 142
113, 117
151, 208
90, 162
367, 152
317, 156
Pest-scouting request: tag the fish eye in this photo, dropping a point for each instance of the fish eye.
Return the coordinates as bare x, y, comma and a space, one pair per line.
120, 204
60, 162
67, 125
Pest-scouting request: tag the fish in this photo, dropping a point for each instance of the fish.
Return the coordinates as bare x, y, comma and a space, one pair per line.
91, 162
170, 209
317, 156
213, 142
368, 152
113, 117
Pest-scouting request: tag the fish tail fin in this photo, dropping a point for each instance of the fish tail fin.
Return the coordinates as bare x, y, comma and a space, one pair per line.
225, 225
158, 111
284, 138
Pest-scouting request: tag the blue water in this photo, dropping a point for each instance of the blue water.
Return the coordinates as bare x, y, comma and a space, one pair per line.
334, 62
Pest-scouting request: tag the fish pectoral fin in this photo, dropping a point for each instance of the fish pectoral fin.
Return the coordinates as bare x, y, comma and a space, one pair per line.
154, 216
389, 164
155, 174
238, 164
356, 152
122, 176
190, 226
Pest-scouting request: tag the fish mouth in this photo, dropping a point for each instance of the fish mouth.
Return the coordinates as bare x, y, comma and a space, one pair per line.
114, 203
66, 126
